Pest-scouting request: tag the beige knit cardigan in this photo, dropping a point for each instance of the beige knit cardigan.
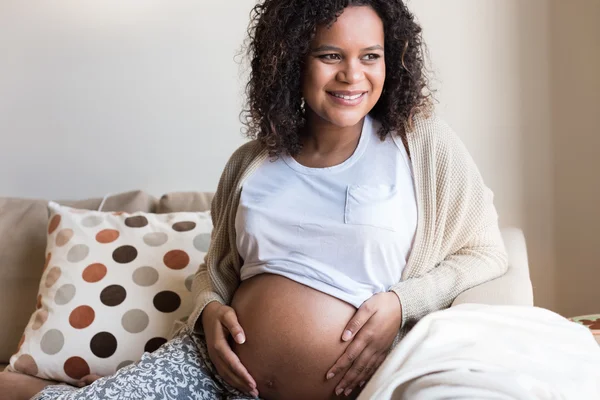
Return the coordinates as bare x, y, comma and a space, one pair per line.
457, 244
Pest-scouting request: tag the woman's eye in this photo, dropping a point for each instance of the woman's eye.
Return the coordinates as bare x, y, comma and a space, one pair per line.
330, 57
372, 57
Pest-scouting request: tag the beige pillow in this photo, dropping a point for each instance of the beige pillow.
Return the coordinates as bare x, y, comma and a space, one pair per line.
185, 201
112, 288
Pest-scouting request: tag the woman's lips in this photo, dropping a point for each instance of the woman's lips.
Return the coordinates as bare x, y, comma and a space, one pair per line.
347, 100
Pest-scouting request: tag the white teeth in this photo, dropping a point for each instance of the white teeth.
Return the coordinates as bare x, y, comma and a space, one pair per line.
347, 97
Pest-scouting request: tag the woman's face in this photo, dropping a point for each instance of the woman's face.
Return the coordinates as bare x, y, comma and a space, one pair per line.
345, 69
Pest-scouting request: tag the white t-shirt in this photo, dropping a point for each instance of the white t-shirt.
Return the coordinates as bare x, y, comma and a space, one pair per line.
345, 230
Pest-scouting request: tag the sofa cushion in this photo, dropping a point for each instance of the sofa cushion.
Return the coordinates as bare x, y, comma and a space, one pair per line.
184, 201
113, 287
22, 252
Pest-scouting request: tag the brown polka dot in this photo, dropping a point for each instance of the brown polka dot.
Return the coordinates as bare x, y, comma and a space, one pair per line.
48, 257
113, 295
154, 344
125, 254
40, 318
26, 364
82, 317
176, 259
94, 273
52, 276
107, 236
63, 237
39, 302
54, 222
167, 301
103, 345
184, 226
136, 222
21, 343
76, 368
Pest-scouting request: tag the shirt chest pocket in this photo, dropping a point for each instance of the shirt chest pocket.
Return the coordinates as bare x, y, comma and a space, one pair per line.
373, 205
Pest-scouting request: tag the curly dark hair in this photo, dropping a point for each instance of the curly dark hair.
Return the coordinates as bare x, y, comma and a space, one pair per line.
279, 38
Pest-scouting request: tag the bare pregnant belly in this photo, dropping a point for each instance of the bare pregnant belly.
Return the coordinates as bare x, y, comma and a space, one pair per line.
293, 337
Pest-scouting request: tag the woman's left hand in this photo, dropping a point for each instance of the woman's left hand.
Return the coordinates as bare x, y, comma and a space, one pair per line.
372, 331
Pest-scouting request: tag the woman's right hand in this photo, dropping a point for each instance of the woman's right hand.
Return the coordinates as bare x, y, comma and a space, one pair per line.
219, 321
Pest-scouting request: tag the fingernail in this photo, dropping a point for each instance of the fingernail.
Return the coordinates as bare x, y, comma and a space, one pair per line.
240, 338
338, 391
347, 392
362, 383
254, 393
330, 375
80, 384
347, 335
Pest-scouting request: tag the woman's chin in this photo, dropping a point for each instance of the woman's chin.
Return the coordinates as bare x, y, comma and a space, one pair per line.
346, 119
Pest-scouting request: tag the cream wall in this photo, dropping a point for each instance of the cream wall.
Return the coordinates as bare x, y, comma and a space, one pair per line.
102, 97
106, 96
576, 112
490, 59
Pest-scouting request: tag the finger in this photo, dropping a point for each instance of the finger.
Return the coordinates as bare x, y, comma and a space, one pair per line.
232, 379
224, 351
376, 366
234, 364
353, 351
360, 318
350, 380
369, 370
347, 359
230, 321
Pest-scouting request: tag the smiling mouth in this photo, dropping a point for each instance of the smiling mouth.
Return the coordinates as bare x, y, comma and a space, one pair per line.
347, 99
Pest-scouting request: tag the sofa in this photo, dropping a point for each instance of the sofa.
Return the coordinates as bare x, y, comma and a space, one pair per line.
23, 227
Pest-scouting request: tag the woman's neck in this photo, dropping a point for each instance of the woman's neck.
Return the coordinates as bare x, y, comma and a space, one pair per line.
325, 145
324, 138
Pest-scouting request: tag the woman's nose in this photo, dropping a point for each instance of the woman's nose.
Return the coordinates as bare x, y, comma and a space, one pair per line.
351, 73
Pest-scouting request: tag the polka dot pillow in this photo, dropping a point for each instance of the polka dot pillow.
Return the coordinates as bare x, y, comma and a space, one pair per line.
112, 288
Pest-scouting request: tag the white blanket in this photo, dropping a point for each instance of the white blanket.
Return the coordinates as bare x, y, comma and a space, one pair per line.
475, 351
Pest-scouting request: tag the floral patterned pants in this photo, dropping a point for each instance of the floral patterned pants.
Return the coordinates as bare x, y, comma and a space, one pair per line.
180, 370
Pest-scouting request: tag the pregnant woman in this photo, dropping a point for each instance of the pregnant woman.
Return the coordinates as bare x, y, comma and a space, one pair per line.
352, 213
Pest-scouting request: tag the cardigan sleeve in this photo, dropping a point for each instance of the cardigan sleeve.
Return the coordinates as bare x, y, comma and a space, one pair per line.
463, 245
482, 258
203, 287
217, 278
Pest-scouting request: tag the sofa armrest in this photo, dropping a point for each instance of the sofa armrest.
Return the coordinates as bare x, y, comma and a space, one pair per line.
514, 287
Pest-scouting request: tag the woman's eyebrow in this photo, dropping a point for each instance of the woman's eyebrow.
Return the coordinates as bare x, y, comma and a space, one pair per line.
376, 47
334, 48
